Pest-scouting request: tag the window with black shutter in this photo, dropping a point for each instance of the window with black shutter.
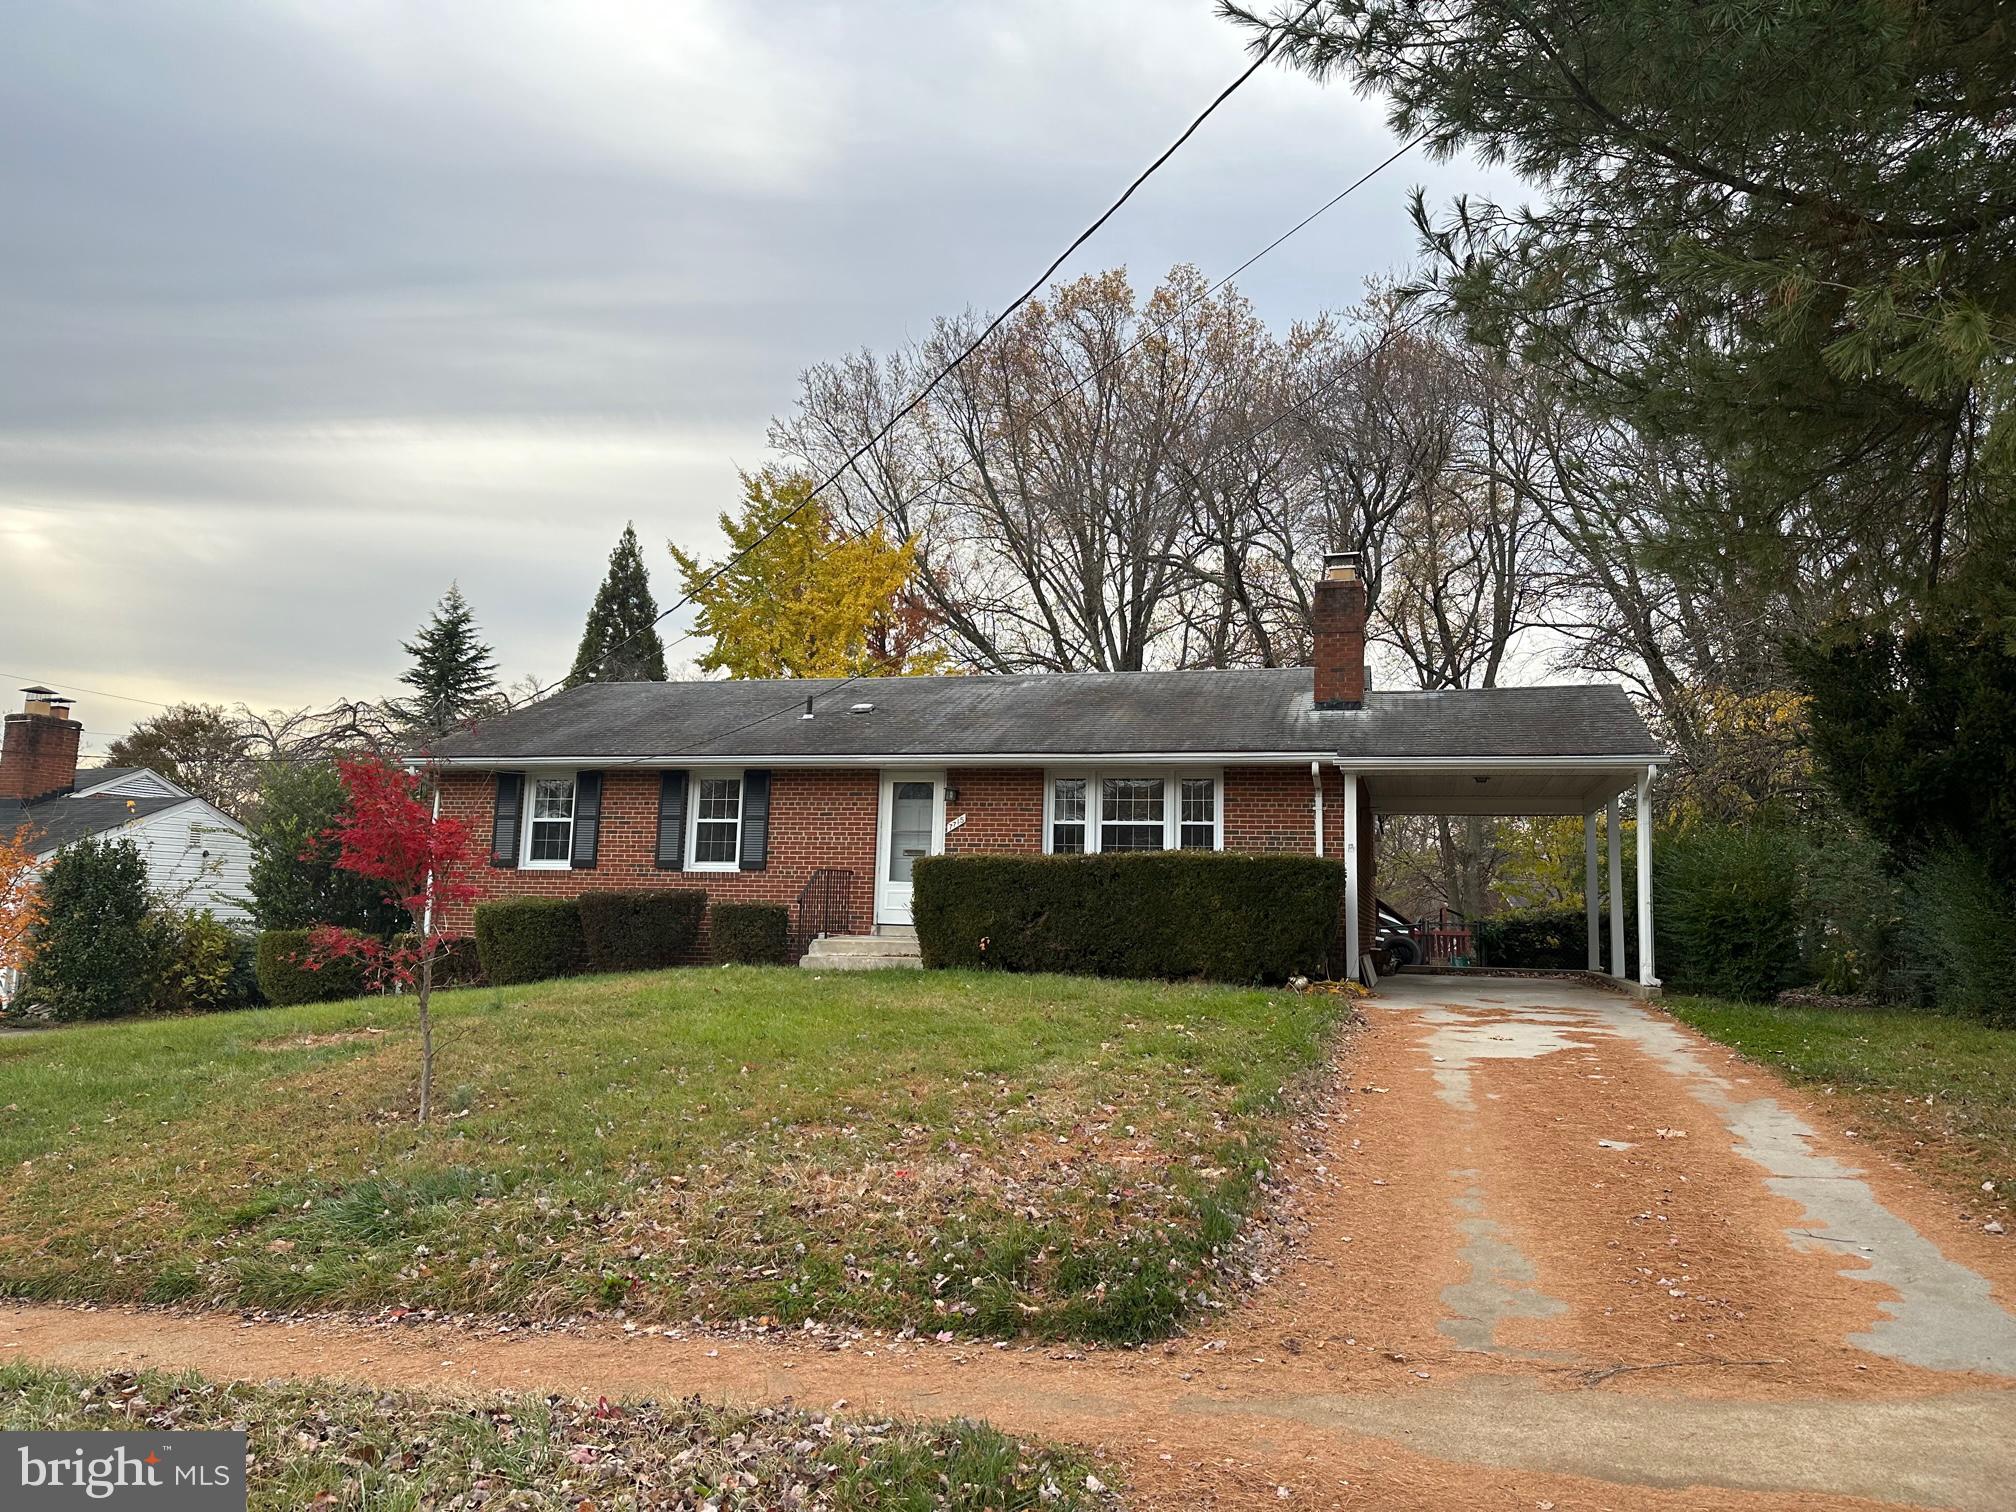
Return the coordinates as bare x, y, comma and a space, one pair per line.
504, 819
671, 853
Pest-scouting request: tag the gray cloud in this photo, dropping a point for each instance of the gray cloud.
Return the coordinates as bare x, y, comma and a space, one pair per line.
307, 309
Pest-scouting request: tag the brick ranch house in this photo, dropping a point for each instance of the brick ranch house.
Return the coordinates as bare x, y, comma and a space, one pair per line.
820, 793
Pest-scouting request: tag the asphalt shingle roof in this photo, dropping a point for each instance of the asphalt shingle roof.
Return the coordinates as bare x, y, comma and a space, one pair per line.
59, 821
1270, 710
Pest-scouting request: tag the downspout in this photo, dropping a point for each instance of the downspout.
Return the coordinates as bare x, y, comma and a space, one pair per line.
1316, 776
427, 911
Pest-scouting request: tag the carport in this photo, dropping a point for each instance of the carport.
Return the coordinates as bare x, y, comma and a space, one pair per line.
1518, 786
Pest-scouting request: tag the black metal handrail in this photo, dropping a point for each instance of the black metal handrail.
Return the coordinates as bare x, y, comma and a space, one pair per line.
825, 905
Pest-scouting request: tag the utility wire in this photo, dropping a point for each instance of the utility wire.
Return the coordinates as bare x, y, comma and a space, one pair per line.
1149, 331
98, 692
1287, 410
973, 346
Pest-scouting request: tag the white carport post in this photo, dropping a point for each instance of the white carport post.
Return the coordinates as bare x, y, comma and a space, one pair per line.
1592, 880
1646, 976
1351, 952
1616, 888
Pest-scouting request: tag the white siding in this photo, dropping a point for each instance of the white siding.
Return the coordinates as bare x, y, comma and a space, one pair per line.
197, 857
140, 783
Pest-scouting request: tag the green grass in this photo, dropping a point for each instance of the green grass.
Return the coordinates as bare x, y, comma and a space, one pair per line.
336, 1446
989, 1154
1941, 1088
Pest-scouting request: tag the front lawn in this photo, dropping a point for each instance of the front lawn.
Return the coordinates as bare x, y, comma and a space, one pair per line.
339, 1447
977, 1152
1939, 1090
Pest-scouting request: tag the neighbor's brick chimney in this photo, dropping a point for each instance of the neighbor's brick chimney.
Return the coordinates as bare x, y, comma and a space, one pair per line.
38, 747
1340, 632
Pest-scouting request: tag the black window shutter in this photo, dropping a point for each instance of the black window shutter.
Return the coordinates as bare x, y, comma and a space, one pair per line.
671, 821
755, 821
587, 819
505, 817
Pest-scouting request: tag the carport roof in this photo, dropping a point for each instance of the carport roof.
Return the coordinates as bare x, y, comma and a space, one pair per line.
1256, 714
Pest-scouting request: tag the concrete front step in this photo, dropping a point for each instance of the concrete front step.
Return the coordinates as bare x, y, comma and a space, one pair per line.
863, 952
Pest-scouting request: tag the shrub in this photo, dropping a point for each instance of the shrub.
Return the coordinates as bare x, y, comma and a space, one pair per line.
95, 954
1173, 914
295, 882
529, 940
1728, 911
286, 978
199, 964
1551, 939
455, 961
1959, 933
641, 931
1852, 909
752, 934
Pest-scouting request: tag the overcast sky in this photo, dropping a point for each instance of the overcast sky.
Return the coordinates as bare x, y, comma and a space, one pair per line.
306, 310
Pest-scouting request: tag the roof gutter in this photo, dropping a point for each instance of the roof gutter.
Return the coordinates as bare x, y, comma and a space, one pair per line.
1622, 761
900, 758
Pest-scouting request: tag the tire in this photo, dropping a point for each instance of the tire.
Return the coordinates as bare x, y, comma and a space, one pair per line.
1405, 950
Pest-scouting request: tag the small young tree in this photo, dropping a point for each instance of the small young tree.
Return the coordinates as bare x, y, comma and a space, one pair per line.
94, 954
20, 909
454, 675
389, 834
621, 642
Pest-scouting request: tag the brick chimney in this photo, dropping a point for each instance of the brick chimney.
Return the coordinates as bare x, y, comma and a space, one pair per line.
1340, 632
38, 747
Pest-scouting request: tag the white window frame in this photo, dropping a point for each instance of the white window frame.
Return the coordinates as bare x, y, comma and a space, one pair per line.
525, 799
1217, 781
1172, 803
693, 820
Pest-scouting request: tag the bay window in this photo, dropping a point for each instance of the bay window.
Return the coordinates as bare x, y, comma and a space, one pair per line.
1093, 812
1067, 816
1198, 822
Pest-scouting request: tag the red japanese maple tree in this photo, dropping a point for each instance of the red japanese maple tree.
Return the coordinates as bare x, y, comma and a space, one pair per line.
391, 834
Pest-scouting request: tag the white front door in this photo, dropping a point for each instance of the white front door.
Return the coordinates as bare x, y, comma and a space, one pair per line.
912, 825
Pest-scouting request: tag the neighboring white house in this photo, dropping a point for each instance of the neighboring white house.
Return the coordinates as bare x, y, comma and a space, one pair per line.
197, 855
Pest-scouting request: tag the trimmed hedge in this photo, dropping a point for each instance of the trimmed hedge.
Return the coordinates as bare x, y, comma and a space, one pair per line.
641, 931
752, 934
529, 940
1551, 939
1728, 913
456, 964
279, 963
1170, 914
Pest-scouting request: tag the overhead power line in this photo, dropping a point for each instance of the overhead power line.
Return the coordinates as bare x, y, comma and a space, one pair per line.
1035, 287
798, 701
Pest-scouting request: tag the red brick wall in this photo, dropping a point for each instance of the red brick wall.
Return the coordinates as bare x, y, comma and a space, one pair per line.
827, 818
817, 819
1003, 808
38, 755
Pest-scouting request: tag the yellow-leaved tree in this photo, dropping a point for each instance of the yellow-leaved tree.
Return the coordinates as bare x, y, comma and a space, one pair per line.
20, 906
813, 600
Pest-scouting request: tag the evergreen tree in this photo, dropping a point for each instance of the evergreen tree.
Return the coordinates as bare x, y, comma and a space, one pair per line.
620, 643
1781, 232
454, 675
94, 958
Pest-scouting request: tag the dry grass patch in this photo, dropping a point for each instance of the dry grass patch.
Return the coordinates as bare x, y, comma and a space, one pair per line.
338, 1447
